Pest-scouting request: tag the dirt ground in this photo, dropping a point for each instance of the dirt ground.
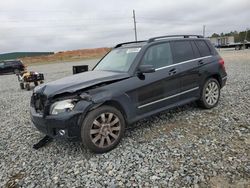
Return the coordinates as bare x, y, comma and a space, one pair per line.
182, 147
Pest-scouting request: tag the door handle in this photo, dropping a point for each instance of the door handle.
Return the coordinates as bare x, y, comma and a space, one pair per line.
201, 62
172, 71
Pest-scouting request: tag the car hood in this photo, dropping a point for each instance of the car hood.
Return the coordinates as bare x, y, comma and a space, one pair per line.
77, 82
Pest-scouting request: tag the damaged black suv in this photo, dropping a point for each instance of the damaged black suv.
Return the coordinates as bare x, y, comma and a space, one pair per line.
133, 81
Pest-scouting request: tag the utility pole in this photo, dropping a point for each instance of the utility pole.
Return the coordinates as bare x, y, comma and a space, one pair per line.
204, 30
135, 25
246, 34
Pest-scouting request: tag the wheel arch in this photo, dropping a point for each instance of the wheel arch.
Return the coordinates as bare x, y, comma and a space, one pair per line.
215, 76
118, 106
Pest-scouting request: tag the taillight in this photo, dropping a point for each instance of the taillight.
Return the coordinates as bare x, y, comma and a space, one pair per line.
222, 63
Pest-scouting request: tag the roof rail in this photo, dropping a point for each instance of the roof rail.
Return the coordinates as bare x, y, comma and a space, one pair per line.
169, 36
133, 42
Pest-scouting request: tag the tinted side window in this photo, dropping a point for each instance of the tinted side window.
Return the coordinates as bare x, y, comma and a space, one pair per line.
195, 50
182, 51
14, 63
203, 48
158, 55
7, 63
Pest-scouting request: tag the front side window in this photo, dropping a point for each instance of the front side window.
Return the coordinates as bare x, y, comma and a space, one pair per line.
158, 55
182, 51
119, 60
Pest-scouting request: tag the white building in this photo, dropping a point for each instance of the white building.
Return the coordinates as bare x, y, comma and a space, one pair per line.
222, 40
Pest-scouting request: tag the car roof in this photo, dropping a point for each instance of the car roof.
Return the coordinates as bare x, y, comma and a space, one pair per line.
13, 60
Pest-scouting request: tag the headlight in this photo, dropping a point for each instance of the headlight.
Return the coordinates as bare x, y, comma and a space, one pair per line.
62, 106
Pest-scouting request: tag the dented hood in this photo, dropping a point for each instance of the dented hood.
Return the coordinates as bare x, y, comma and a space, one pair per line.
79, 81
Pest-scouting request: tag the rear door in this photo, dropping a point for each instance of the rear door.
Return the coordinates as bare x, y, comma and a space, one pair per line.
186, 57
204, 51
157, 90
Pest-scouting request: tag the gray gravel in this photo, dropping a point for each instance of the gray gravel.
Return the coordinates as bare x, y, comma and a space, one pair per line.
184, 147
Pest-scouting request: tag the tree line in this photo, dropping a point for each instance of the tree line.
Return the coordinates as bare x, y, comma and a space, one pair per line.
238, 36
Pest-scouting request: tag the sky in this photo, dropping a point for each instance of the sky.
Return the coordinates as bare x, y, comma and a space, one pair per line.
59, 25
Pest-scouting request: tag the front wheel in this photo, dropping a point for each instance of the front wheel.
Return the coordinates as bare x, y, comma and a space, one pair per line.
210, 94
27, 86
16, 71
102, 129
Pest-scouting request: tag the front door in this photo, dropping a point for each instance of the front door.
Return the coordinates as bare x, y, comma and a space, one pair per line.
159, 89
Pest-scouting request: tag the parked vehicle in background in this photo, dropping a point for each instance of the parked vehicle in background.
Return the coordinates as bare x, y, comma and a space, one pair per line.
133, 81
25, 79
236, 45
11, 66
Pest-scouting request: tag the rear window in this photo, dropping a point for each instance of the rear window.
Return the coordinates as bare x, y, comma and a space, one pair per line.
203, 48
182, 51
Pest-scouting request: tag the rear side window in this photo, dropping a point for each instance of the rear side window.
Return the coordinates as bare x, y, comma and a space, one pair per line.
195, 50
203, 48
13, 63
9, 63
182, 51
158, 55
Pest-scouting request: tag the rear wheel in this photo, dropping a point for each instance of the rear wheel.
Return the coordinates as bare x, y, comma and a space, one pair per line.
36, 83
22, 85
102, 129
210, 94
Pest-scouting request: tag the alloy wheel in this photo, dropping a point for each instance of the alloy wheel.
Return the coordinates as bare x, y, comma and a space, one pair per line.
105, 130
212, 93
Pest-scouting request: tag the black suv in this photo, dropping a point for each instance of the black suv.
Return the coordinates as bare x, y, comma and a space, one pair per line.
11, 66
133, 81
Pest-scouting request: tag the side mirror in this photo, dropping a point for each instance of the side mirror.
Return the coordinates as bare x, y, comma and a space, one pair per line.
146, 69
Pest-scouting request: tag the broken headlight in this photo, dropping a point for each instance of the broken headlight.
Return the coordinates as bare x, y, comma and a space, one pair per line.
62, 106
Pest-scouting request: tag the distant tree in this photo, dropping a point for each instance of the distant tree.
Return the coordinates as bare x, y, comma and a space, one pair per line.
242, 35
215, 35
238, 36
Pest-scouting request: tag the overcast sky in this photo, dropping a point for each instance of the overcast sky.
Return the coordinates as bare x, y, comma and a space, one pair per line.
55, 25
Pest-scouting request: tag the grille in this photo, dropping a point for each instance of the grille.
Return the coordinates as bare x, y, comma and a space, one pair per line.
38, 101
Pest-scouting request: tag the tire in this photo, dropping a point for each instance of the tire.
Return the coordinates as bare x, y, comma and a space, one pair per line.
22, 85
237, 47
97, 132
210, 94
16, 71
41, 82
27, 86
36, 83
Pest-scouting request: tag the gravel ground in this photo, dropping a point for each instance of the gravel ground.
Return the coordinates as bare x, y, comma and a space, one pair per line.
183, 147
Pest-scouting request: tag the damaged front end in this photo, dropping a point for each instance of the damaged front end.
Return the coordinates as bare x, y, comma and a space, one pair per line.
59, 107
60, 117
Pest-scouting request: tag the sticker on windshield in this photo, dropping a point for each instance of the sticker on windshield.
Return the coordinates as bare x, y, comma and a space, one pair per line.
133, 50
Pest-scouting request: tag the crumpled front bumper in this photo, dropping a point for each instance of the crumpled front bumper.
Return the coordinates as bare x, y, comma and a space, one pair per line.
69, 122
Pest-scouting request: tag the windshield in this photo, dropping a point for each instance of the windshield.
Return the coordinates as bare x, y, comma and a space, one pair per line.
118, 60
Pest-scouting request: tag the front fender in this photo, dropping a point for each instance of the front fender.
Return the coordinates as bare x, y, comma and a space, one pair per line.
121, 99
